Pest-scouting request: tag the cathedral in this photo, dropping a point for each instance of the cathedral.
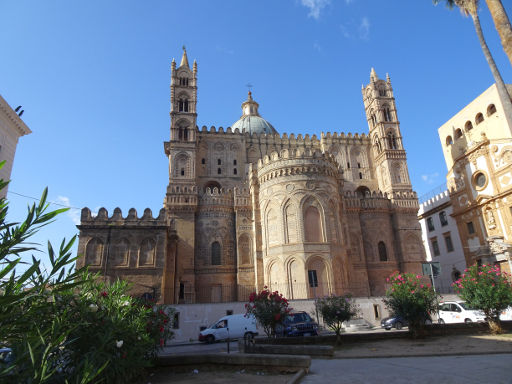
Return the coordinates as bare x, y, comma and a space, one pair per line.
247, 207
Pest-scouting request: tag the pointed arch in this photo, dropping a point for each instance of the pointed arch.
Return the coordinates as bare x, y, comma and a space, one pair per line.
94, 251
291, 223
147, 252
215, 253
383, 252
272, 220
120, 252
313, 220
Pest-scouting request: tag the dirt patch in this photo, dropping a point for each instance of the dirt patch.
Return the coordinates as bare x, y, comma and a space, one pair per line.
431, 346
223, 376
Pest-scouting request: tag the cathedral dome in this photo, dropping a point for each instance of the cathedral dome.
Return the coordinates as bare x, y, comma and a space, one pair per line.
251, 122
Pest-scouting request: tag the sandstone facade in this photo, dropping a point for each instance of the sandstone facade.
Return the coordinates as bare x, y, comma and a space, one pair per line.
246, 207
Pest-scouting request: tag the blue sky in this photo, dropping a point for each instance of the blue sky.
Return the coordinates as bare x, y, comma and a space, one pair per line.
93, 78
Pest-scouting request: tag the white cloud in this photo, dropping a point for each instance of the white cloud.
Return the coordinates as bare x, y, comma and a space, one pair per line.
364, 28
315, 6
430, 178
73, 213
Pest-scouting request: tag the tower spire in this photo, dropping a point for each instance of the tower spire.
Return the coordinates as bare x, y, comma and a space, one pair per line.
373, 75
184, 58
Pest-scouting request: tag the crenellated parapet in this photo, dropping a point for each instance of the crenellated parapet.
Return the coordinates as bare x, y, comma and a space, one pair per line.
297, 162
375, 200
132, 219
405, 200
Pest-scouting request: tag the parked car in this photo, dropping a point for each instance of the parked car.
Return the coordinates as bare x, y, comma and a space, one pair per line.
232, 327
458, 312
298, 324
399, 322
506, 314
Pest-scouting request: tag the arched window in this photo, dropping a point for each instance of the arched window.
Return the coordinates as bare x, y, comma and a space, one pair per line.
458, 133
491, 109
215, 253
387, 113
468, 126
383, 254
120, 251
391, 141
449, 140
211, 185
360, 175
363, 191
244, 249
479, 118
312, 225
182, 105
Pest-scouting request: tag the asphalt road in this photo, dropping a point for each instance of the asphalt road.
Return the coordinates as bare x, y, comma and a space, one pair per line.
432, 370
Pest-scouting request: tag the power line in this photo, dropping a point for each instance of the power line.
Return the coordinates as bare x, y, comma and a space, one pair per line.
37, 199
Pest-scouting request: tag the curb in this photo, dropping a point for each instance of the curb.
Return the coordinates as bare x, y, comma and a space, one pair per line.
476, 353
297, 377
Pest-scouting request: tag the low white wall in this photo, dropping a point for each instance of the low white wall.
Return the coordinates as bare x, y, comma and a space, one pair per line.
194, 316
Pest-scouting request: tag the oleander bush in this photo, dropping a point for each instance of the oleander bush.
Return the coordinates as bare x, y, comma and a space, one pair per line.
64, 325
486, 288
408, 296
269, 308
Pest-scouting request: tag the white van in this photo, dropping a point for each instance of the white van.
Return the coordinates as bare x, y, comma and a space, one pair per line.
231, 326
458, 312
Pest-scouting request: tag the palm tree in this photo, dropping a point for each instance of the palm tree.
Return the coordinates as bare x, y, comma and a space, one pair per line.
470, 8
502, 24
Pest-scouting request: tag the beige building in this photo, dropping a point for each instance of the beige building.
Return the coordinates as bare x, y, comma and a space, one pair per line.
11, 128
477, 147
247, 207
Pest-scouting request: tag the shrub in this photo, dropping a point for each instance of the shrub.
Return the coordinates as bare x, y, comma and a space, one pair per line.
488, 289
269, 308
65, 325
335, 310
412, 299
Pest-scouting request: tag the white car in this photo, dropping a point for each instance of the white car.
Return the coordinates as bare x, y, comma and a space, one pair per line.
506, 314
458, 312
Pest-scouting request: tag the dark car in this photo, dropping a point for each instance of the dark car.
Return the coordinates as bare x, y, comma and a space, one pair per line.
298, 324
399, 322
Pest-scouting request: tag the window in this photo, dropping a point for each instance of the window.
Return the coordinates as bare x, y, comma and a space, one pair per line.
181, 294
471, 227
219, 171
491, 109
183, 105
468, 126
430, 224
219, 162
435, 246
376, 311
458, 133
176, 321
358, 165
215, 253
360, 175
442, 218
448, 242
383, 254
312, 278
392, 141
449, 140
182, 171
480, 180
382, 92
348, 165
235, 171
203, 161
387, 114
234, 162
479, 118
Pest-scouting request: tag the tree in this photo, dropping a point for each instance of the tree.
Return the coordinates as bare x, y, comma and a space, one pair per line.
488, 289
335, 310
470, 7
502, 24
269, 308
411, 299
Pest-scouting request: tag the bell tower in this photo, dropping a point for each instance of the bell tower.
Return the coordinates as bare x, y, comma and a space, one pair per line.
388, 151
181, 198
